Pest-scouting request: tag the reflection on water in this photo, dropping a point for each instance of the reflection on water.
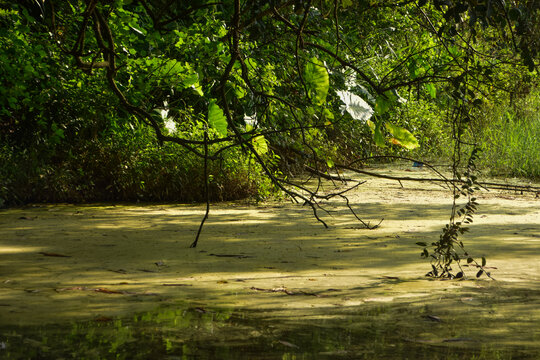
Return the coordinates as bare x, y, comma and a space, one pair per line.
185, 332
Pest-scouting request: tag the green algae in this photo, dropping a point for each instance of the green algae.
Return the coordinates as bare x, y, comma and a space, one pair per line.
267, 281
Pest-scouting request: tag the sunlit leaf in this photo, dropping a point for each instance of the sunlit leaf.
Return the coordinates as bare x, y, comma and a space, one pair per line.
137, 29
317, 80
170, 68
402, 136
216, 119
260, 144
382, 104
329, 163
239, 92
432, 90
355, 106
328, 116
197, 89
378, 136
191, 79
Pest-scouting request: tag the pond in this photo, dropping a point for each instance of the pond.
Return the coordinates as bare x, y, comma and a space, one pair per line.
184, 332
267, 281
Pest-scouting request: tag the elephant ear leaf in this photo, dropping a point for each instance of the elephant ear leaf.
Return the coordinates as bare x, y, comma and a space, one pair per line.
317, 80
401, 136
216, 119
378, 136
260, 145
355, 106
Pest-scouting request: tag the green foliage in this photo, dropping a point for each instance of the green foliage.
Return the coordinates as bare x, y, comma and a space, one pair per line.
64, 140
425, 120
449, 249
317, 80
126, 165
401, 136
260, 144
509, 136
216, 119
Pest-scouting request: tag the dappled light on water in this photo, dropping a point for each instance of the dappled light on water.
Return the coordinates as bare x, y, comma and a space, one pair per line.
267, 281
413, 329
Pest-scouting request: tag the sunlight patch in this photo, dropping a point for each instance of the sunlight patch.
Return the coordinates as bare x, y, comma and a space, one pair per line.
18, 249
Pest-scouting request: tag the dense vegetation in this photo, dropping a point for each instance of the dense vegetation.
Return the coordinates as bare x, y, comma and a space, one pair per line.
196, 100
289, 81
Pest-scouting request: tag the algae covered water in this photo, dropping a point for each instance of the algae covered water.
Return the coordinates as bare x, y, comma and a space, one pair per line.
267, 281
182, 332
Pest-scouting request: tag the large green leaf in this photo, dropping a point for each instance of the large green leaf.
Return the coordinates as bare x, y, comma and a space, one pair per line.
260, 145
317, 80
431, 89
170, 68
402, 136
191, 80
378, 136
216, 119
386, 101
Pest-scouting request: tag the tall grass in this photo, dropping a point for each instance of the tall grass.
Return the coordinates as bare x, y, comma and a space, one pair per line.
510, 138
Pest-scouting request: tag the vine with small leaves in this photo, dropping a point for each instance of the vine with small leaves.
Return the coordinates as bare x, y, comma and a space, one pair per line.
449, 249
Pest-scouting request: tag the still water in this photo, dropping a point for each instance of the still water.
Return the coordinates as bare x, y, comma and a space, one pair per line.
190, 332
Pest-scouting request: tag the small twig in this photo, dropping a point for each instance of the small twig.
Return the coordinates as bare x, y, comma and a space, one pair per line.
367, 225
206, 191
326, 176
286, 291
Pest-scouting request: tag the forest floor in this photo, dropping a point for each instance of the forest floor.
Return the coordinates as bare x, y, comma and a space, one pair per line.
270, 278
